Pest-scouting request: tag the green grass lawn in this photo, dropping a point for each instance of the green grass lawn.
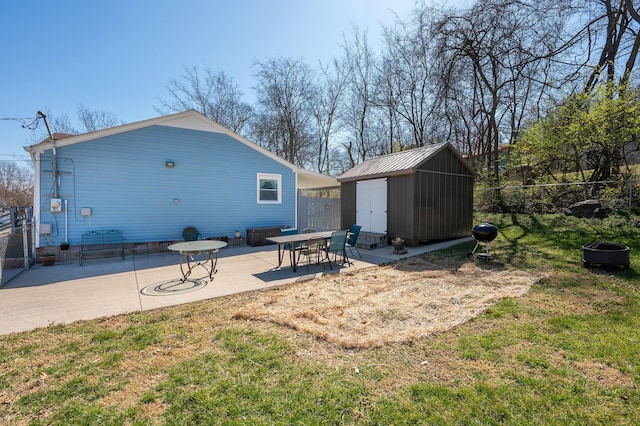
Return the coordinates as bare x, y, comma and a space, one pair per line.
568, 352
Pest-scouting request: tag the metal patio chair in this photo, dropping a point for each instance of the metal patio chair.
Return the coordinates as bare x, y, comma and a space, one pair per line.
300, 246
315, 250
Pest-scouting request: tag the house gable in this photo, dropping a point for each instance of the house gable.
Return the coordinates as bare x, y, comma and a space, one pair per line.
190, 120
123, 178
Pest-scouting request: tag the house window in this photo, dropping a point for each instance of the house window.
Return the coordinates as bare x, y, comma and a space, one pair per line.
269, 188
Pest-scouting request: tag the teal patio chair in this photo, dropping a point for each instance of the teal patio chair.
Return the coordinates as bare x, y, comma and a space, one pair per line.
288, 246
352, 239
191, 234
337, 245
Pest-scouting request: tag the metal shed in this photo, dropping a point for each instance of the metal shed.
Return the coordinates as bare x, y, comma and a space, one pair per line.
421, 195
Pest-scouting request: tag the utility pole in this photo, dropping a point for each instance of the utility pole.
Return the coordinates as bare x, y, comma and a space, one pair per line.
40, 114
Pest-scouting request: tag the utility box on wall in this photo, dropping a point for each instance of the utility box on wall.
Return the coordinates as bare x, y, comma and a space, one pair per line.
45, 229
56, 205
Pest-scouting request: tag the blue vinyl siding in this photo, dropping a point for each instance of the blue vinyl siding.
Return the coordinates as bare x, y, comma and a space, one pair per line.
123, 179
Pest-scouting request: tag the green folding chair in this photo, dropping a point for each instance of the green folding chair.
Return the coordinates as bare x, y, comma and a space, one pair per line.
191, 234
337, 245
352, 239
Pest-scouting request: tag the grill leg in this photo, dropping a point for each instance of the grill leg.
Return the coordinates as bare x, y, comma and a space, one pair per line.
474, 249
486, 254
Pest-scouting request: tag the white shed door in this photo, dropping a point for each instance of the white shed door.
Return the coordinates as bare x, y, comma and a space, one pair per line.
371, 205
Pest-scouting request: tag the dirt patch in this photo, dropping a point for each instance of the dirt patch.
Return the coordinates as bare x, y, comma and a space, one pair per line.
605, 375
401, 303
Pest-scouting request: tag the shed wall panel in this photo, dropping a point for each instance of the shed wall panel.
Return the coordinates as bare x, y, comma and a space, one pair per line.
402, 209
446, 206
347, 204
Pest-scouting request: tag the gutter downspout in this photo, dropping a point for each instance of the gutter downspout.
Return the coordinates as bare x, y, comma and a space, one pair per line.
66, 221
297, 192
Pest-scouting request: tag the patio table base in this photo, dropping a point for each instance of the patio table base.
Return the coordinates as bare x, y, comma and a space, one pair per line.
188, 262
189, 249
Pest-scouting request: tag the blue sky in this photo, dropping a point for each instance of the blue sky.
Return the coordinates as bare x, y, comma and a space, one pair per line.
118, 55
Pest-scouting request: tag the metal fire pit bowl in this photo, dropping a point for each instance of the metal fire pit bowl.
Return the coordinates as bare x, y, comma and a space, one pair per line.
606, 254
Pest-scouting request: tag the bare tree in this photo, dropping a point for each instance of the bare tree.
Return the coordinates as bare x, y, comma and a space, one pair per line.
285, 91
326, 112
387, 100
613, 29
362, 140
408, 77
89, 121
499, 52
60, 123
92, 120
633, 53
211, 93
16, 185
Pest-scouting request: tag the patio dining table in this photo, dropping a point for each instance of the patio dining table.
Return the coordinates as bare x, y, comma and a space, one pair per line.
189, 249
290, 243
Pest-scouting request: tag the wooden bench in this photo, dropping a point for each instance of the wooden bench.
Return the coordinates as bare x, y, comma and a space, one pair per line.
101, 244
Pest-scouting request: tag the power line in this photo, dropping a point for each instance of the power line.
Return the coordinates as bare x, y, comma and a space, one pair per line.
33, 122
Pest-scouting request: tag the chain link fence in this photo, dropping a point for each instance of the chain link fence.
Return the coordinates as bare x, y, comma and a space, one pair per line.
16, 245
557, 197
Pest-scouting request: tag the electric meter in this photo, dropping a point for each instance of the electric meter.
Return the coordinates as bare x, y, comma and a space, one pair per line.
56, 205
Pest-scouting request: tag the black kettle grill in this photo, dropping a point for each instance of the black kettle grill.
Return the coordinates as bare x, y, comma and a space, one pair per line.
484, 233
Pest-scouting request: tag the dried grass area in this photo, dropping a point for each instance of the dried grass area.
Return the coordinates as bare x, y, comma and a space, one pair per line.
409, 300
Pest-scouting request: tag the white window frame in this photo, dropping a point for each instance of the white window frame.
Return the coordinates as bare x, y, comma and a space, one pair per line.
269, 176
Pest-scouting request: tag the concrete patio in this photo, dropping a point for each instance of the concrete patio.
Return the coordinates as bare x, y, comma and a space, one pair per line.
65, 293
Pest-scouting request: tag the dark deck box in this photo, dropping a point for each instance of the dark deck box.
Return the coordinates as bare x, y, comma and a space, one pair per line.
258, 236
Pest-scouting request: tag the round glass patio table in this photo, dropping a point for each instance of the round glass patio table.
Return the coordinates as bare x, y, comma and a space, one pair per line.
190, 249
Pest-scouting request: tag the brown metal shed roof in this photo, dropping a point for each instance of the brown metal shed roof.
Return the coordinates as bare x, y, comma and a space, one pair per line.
398, 163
